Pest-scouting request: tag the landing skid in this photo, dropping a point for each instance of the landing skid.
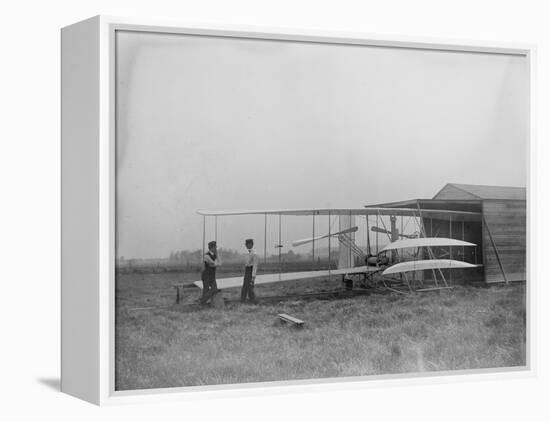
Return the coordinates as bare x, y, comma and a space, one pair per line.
375, 281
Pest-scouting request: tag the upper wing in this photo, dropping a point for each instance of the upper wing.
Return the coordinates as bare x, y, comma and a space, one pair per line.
350, 211
426, 242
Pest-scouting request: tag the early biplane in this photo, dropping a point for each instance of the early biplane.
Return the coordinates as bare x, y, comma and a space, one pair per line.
429, 253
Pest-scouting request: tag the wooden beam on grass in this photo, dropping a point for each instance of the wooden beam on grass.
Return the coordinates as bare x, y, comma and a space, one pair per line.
495, 249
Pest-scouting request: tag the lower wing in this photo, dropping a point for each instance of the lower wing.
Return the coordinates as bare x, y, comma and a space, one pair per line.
290, 276
426, 265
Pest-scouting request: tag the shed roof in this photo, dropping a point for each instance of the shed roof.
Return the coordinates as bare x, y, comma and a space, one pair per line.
481, 192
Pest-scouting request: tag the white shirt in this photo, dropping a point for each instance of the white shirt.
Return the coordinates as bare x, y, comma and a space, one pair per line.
251, 259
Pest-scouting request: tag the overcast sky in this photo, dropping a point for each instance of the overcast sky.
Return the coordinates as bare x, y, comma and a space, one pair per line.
221, 123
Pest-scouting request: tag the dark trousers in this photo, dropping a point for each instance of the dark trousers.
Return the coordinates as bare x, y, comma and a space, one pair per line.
209, 288
248, 286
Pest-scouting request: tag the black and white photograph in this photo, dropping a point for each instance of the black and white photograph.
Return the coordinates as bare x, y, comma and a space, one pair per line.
277, 210
298, 210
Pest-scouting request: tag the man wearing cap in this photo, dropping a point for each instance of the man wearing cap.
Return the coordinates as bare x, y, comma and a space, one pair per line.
250, 268
211, 262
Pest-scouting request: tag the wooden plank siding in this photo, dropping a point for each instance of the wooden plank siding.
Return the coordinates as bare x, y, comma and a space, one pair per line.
506, 219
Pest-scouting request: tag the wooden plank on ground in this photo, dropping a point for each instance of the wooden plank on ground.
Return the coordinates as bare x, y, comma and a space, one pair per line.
289, 319
433, 289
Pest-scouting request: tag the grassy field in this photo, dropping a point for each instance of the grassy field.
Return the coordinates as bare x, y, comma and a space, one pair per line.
462, 328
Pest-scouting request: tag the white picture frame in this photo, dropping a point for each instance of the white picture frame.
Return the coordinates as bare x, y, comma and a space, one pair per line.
88, 212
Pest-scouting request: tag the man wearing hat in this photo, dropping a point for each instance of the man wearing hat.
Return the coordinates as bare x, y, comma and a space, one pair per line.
211, 262
250, 268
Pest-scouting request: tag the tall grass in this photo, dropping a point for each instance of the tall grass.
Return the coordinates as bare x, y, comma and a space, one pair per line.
463, 328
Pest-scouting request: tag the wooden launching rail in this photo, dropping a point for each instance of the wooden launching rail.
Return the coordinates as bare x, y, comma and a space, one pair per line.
368, 287
325, 295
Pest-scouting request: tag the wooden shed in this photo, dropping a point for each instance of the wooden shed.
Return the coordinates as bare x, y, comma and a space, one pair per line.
497, 225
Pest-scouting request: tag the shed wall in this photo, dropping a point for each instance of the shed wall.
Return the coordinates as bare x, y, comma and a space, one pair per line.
506, 221
468, 231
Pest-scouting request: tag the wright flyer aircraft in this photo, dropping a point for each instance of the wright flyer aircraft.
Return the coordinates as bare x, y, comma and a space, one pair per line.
408, 262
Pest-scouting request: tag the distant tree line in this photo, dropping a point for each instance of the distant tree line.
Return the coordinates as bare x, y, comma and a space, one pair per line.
228, 256
191, 261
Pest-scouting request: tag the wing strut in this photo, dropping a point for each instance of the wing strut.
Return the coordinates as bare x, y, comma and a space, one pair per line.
384, 225
450, 248
280, 246
353, 242
203, 235
313, 243
463, 240
329, 254
368, 235
265, 238
430, 252
402, 234
377, 236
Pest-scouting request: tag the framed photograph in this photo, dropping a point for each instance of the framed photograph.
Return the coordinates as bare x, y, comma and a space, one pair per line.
250, 208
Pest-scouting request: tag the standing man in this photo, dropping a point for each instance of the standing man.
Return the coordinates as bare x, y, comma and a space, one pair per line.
250, 269
211, 262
